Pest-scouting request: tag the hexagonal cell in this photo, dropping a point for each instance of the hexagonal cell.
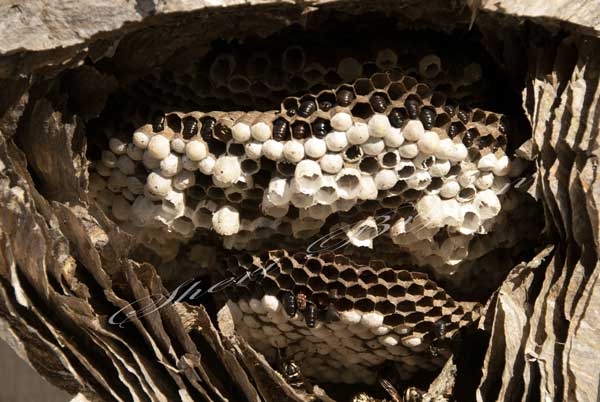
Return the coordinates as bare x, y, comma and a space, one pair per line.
423, 90
393, 320
379, 101
424, 327
442, 120
299, 275
405, 171
270, 286
434, 312
485, 141
406, 306
320, 127
378, 290
281, 129
385, 307
344, 304
438, 99
308, 105
364, 305
392, 202
173, 121
316, 284
428, 116
362, 110
363, 86
419, 277
404, 276
478, 116
336, 289
464, 113
330, 271
412, 104
289, 106
414, 318
356, 292
332, 78
412, 195
341, 260
326, 100
380, 80
456, 128
353, 153
367, 276
345, 95
397, 291
349, 274
300, 130
314, 265
415, 290
369, 165
387, 275
397, 117
216, 193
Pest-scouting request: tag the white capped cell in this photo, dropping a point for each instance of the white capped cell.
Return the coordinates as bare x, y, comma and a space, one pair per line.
241, 132
351, 316
315, 147
487, 162
293, 151
170, 165
394, 138
408, 150
373, 146
336, 141
159, 147
341, 121
331, 163
385, 179
178, 145
141, 139
227, 169
440, 168
413, 130
368, 188
196, 150
253, 149
358, 134
449, 189
502, 166
429, 143
158, 185
207, 165
484, 181
261, 131
226, 221
379, 126
273, 150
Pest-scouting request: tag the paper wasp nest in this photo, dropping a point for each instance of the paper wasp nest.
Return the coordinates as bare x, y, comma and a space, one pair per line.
378, 194
381, 161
